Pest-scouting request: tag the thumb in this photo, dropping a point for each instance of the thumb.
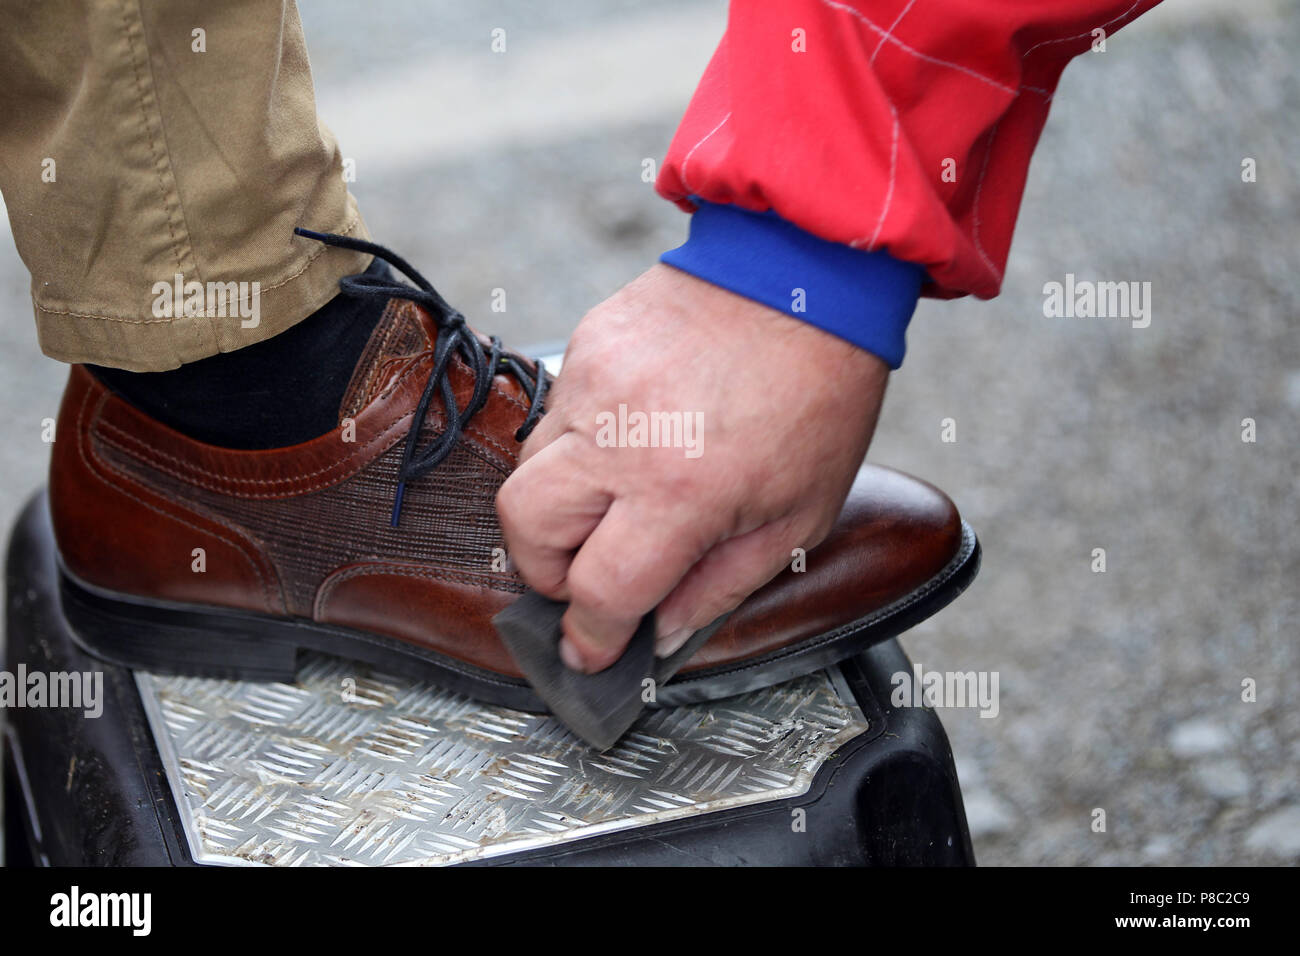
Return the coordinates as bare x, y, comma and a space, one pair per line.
730, 572
623, 570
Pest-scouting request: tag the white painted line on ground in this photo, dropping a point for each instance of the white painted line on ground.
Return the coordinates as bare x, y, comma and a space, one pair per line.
544, 89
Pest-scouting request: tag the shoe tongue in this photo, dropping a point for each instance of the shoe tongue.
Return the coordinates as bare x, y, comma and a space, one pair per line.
403, 332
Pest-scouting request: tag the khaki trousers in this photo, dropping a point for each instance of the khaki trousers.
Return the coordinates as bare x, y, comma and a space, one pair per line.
141, 140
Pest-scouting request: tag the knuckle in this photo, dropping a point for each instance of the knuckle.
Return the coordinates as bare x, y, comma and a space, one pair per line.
510, 502
685, 486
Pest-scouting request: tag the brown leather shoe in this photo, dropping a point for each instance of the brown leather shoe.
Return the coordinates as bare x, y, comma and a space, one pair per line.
182, 557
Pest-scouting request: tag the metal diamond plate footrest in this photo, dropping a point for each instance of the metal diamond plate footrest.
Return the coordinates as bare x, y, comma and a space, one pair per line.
351, 766
355, 767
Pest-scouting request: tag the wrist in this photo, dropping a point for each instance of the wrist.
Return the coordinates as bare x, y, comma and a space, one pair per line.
864, 298
816, 358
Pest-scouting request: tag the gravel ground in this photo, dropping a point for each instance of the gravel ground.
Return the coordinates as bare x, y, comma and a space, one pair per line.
1119, 690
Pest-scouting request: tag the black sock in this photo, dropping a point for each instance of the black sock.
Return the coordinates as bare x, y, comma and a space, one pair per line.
279, 392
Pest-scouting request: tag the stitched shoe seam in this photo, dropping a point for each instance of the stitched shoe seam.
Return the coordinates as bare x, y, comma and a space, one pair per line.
192, 473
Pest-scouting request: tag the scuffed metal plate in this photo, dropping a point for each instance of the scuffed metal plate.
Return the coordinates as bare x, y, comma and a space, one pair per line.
353, 767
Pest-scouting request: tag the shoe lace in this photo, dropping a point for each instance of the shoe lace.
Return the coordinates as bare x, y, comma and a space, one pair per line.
454, 338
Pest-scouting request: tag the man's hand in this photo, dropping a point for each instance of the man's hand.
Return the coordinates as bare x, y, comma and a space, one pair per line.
787, 413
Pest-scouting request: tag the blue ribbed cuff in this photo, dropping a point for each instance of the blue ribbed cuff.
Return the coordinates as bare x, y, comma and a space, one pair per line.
866, 298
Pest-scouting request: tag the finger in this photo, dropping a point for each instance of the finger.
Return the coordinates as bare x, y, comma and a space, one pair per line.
625, 568
550, 428
547, 509
731, 571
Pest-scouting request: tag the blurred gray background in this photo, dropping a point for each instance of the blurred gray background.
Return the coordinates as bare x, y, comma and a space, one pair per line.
1119, 691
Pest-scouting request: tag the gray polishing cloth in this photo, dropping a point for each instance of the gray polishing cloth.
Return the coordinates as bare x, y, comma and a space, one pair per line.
600, 707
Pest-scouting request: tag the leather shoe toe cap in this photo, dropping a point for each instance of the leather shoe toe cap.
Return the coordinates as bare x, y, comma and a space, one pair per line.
893, 535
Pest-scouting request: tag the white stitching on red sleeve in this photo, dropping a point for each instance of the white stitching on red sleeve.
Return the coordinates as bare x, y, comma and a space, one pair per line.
686, 162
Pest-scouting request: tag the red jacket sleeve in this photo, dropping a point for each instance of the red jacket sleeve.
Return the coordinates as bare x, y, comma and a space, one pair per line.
902, 125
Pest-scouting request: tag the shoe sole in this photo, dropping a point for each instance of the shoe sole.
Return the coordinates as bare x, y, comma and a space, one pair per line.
169, 637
